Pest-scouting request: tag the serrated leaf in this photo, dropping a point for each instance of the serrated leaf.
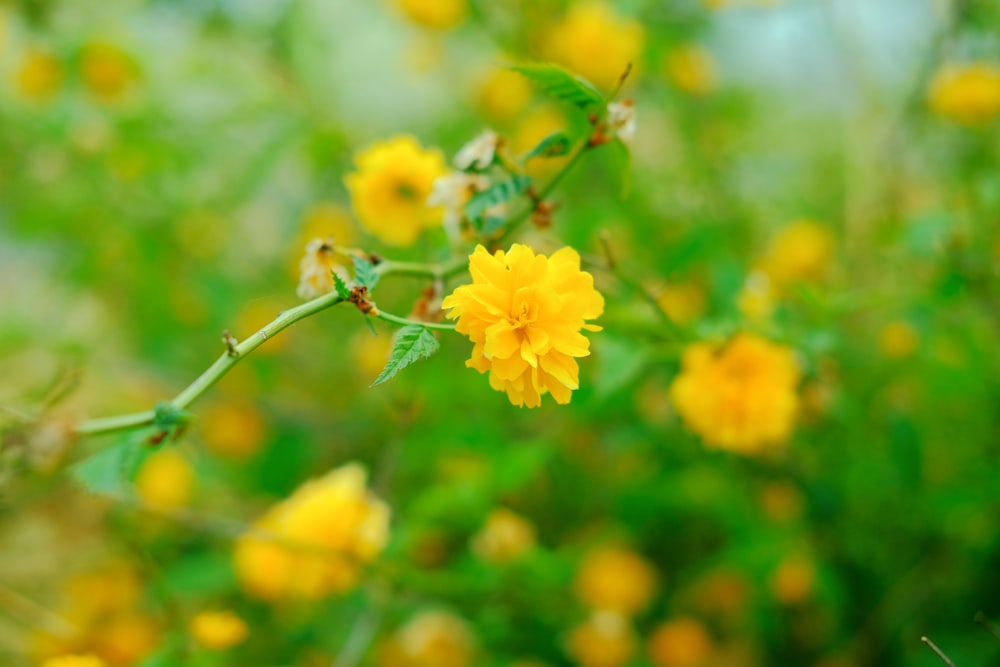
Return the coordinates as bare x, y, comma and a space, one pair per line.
413, 343
554, 145
559, 84
496, 194
364, 273
109, 471
338, 283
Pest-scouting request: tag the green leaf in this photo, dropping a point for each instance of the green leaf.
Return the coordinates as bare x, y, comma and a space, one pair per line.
364, 273
413, 343
498, 193
559, 84
554, 145
109, 471
338, 283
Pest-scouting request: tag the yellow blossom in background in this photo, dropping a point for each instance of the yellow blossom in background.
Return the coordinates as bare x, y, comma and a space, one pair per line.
315, 542
682, 302
317, 267
74, 661
530, 131
232, 429
429, 639
739, 396
107, 71
898, 340
370, 353
781, 501
757, 298
38, 75
794, 579
967, 93
389, 190
505, 537
524, 313
438, 14
605, 639
503, 93
165, 479
691, 69
800, 252
615, 579
218, 630
596, 42
680, 642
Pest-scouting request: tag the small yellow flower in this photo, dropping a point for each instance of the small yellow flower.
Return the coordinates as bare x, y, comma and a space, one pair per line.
606, 639
438, 14
315, 542
505, 537
74, 661
503, 94
683, 302
691, 69
218, 630
615, 579
317, 267
800, 252
165, 479
740, 396
794, 580
429, 639
966, 93
898, 340
524, 313
233, 429
540, 123
390, 188
39, 74
106, 69
680, 642
595, 42
757, 298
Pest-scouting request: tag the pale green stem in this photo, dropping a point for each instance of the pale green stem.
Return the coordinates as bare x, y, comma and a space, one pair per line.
389, 317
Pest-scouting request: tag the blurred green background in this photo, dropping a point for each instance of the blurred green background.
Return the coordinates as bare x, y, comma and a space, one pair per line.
163, 164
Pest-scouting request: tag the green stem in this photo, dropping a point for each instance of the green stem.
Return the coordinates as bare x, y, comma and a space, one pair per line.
389, 317
440, 271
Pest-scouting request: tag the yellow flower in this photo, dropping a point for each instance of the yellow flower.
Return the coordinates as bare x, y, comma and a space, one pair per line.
966, 93
615, 579
218, 630
390, 189
315, 542
595, 42
439, 14
681, 642
757, 298
524, 313
165, 479
233, 429
505, 537
740, 396
898, 340
605, 639
74, 661
801, 251
531, 130
317, 267
503, 94
794, 579
38, 75
106, 69
691, 69
429, 639
682, 302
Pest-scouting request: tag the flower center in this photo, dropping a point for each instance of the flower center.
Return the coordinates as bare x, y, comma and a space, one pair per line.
406, 191
524, 313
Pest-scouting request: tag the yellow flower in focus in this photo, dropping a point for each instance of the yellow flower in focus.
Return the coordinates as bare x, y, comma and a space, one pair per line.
429, 639
218, 630
615, 579
682, 302
503, 94
233, 429
317, 267
315, 542
681, 642
595, 42
794, 580
801, 251
438, 14
605, 639
691, 69
390, 188
966, 93
106, 69
898, 340
505, 537
165, 479
74, 661
38, 75
524, 313
740, 396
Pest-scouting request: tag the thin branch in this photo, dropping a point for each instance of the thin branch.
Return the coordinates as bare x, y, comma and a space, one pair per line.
987, 624
945, 659
389, 317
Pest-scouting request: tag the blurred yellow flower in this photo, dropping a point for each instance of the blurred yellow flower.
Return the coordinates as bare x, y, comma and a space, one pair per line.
165, 479
38, 75
107, 71
615, 579
605, 639
531, 130
505, 537
740, 396
74, 661
594, 41
794, 579
801, 251
439, 14
429, 639
683, 302
370, 353
781, 501
503, 94
967, 93
315, 542
690, 68
317, 267
757, 298
218, 630
524, 313
390, 188
680, 642
898, 340
232, 429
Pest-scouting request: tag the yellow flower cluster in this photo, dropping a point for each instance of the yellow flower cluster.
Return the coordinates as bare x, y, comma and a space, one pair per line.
505, 537
740, 396
439, 14
967, 93
389, 190
218, 630
315, 542
595, 42
429, 639
524, 313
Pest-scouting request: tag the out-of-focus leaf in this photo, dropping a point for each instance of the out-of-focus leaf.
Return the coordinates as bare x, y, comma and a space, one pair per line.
413, 343
108, 472
498, 193
554, 145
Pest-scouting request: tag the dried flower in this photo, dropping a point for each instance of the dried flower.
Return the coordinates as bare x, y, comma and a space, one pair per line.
317, 267
621, 118
479, 152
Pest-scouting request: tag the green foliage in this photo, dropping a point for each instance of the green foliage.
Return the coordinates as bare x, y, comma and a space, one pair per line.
556, 144
338, 284
109, 471
364, 273
411, 344
562, 86
496, 194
